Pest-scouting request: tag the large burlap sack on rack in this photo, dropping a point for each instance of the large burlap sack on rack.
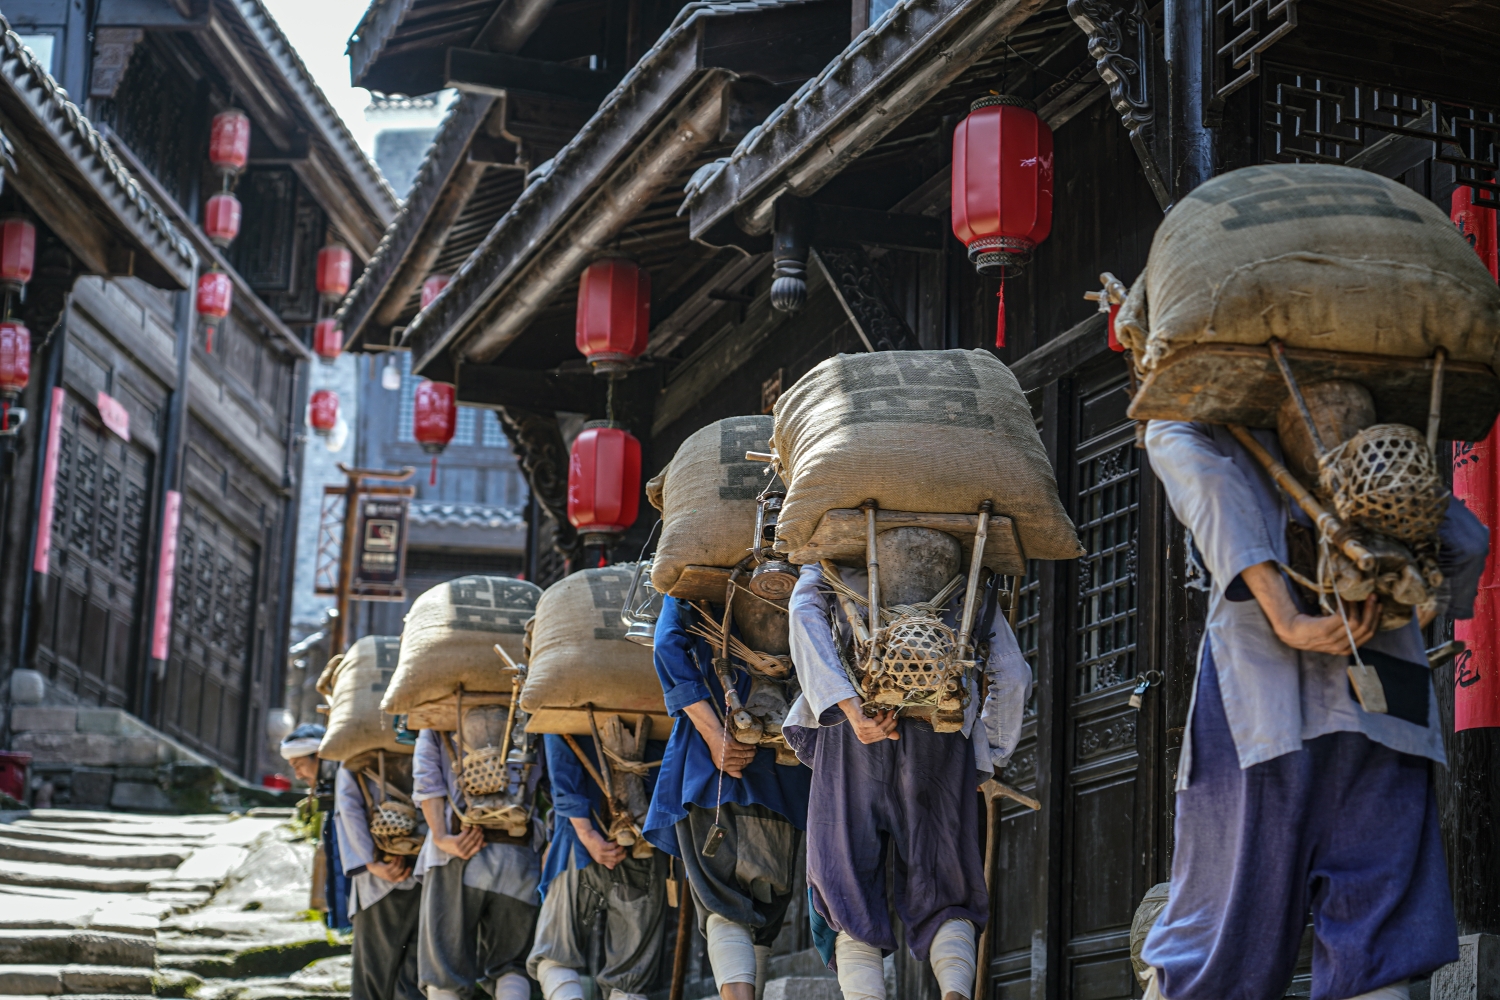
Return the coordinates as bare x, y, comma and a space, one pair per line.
356, 683
450, 636
706, 496
579, 653
931, 431
1322, 257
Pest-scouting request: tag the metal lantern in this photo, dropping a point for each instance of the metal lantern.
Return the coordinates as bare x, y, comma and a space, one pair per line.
642, 605
17, 251
1002, 188
323, 411
335, 270
15, 359
604, 481
614, 314
328, 340
229, 141
432, 287
221, 219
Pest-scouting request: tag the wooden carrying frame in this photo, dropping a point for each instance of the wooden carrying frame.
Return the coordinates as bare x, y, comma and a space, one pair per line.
442, 713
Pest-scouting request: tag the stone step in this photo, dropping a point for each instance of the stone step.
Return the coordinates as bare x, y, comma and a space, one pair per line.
241, 963
57, 980
85, 817
119, 914
92, 855
81, 877
76, 947
803, 988
48, 833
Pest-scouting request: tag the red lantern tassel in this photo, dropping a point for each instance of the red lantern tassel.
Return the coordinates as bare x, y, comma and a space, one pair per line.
208, 341
432, 477
1000, 317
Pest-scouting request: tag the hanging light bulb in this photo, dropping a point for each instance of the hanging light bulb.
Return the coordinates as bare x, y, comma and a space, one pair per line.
390, 376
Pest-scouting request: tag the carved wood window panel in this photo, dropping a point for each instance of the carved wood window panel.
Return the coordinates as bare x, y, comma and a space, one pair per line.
1108, 471
1242, 31
1312, 118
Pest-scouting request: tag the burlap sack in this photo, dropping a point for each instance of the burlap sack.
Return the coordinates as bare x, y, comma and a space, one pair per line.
1322, 257
356, 723
930, 431
706, 496
579, 653
450, 637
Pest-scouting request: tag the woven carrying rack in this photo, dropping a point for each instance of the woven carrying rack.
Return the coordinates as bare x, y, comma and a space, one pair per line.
393, 821
484, 772
917, 663
1384, 480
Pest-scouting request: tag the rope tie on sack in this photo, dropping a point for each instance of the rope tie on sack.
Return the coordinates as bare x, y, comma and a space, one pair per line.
639, 768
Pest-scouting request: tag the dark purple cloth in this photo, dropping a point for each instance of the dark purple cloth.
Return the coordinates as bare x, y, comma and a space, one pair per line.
916, 794
1344, 827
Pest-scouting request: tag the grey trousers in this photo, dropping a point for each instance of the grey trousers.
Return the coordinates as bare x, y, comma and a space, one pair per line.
385, 948
633, 899
469, 937
749, 879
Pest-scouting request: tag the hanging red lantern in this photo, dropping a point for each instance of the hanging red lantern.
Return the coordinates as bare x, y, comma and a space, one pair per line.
604, 479
432, 287
15, 366
215, 296
614, 314
335, 270
1002, 188
1478, 225
229, 141
17, 251
328, 340
221, 219
323, 411
434, 418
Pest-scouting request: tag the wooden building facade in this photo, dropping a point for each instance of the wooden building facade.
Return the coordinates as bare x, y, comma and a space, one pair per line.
218, 423
747, 115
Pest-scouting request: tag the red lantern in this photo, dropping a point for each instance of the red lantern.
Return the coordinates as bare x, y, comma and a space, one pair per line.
614, 314
15, 358
229, 141
323, 411
434, 418
1002, 188
335, 269
604, 479
215, 295
221, 219
1478, 226
17, 251
432, 286
328, 340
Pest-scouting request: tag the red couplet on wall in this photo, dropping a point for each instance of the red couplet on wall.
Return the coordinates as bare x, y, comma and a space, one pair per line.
604, 479
221, 219
17, 250
41, 557
323, 411
1476, 481
328, 340
613, 323
229, 141
166, 577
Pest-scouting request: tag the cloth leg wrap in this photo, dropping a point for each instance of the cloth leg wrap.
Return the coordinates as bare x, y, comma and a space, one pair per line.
861, 969
1148, 980
731, 951
1395, 991
558, 981
512, 986
952, 957
433, 993
762, 969
619, 994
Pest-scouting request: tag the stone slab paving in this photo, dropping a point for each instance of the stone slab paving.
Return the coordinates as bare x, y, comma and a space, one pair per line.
103, 905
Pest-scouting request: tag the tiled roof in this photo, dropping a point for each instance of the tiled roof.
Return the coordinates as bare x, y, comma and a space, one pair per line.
465, 515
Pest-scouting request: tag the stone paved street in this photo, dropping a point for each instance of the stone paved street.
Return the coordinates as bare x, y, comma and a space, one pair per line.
212, 907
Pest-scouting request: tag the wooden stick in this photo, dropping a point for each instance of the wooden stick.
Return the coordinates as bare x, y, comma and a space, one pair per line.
1278, 354
966, 625
982, 953
1329, 525
994, 789
684, 931
593, 773
872, 567
506, 657
1435, 401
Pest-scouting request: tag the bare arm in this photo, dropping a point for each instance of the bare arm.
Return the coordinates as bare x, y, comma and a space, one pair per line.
729, 754
1314, 633
465, 845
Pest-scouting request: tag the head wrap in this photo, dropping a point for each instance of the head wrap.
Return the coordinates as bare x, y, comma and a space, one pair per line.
302, 741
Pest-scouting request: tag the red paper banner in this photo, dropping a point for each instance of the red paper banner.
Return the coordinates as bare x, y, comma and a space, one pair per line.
166, 576
40, 561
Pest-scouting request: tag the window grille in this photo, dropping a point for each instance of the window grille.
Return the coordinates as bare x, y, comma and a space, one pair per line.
1108, 521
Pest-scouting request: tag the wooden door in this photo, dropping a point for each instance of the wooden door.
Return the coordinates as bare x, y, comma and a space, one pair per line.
91, 596
213, 610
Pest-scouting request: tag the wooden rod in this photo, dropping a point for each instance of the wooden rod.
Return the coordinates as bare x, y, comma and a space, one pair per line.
1435, 401
872, 565
975, 564
684, 935
1331, 527
1278, 353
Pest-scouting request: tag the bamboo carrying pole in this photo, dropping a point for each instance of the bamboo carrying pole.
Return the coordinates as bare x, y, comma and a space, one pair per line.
992, 790
975, 564
684, 935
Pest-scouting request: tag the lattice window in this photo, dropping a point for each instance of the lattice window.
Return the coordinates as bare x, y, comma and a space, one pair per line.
1108, 519
1029, 624
1242, 31
1317, 119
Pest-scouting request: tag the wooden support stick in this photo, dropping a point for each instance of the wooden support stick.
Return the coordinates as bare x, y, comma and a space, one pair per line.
1435, 402
1330, 526
976, 562
684, 932
1278, 353
994, 789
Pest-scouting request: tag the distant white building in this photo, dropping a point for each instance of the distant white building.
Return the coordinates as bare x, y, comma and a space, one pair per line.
407, 125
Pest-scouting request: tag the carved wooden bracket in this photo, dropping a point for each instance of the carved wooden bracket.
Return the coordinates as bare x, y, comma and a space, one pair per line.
1124, 52
112, 50
538, 444
852, 276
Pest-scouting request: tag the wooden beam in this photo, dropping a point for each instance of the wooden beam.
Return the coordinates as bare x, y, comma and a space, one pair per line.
499, 73
1062, 354
839, 224
371, 35
494, 387
858, 287
151, 14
